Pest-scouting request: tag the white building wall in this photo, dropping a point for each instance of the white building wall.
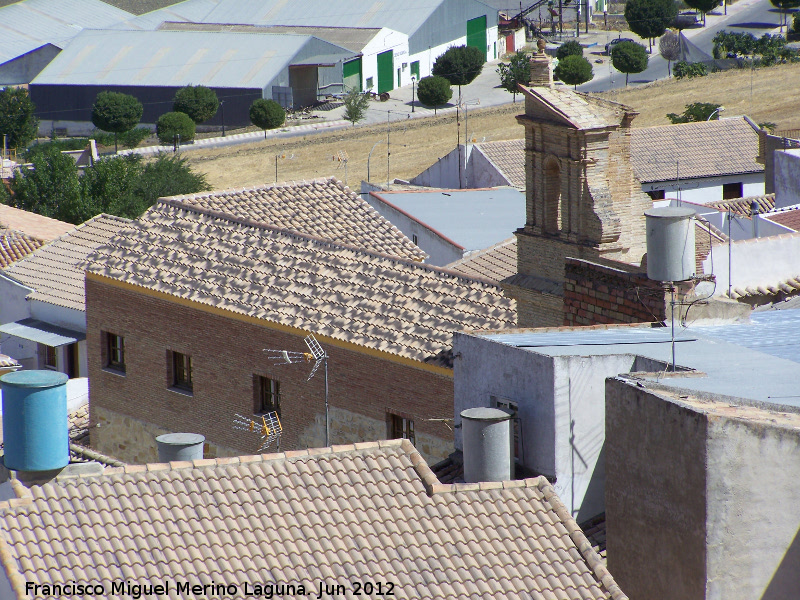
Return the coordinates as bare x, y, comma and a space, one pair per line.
708, 189
387, 39
786, 178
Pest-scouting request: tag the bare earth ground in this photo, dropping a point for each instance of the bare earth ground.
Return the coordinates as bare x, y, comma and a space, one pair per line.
417, 144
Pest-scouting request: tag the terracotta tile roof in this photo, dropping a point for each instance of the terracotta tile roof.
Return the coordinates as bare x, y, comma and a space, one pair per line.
788, 218
343, 292
36, 226
368, 512
788, 287
7, 361
509, 158
704, 149
323, 208
15, 245
55, 271
741, 206
494, 263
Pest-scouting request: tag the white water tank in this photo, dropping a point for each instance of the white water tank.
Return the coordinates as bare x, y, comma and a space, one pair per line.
670, 243
487, 444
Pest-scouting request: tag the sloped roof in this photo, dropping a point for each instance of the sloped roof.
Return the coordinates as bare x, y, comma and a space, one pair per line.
151, 13
368, 512
343, 292
36, 226
15, 245
138, 7
787, 218
55, 271
508, 156
494, 263
31, 24
578, 110
178, 58
323, 208
691, 150
741, 206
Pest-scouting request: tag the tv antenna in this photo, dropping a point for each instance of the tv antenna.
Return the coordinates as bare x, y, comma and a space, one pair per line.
315, 353
341, 157
269, 428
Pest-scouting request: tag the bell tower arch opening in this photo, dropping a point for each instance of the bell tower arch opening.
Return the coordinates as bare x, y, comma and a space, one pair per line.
552, 196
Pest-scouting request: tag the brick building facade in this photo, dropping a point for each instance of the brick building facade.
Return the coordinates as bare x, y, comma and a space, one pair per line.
583, 200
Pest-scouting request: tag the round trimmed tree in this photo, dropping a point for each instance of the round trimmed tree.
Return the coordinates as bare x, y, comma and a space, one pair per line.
570, 48
574, 70
650, 18
174, 128
460, 65
116, 113
197, 101
434, 91
629, 57
267, 114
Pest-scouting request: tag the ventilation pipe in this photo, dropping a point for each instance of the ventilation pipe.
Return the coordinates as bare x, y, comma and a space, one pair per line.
487, 444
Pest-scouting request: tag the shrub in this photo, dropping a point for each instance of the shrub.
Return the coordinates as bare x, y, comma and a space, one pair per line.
574, 70
689, 70
197, 101
434, 91
267, 114
571, 48
174, 127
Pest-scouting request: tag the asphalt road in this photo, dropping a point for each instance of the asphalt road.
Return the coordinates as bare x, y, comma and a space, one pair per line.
756, 17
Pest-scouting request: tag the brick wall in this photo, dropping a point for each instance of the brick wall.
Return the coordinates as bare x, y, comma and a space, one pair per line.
598, 294
226, 353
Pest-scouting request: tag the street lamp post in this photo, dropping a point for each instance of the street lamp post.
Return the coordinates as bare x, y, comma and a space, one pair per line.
719, 109
413, 84
222, 109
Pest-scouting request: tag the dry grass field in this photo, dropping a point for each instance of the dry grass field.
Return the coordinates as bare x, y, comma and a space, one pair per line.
416, 144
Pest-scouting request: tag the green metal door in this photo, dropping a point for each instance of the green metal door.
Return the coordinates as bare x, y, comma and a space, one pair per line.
476, 33
415, 69
385, 71
351, 75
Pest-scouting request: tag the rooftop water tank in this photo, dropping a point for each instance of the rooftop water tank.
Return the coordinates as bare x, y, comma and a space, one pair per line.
180, 446
35, 429
670, 243
487, 444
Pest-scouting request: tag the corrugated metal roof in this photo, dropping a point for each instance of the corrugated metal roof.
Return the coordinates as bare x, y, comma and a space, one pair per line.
42, 333
406, 16
174, 58
187, 11
31, 24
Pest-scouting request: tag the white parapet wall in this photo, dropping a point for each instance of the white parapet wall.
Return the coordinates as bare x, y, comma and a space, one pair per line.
755, 263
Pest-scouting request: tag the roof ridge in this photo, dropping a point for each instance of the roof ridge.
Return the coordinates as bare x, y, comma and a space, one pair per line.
321, 241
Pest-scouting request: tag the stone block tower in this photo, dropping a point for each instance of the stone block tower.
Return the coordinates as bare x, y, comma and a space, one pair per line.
583, 200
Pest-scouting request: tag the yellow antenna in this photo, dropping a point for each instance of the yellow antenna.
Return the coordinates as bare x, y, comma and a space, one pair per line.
269, 428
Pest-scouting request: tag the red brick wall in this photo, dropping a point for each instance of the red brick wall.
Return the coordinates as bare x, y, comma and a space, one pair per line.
226, 353
597, 294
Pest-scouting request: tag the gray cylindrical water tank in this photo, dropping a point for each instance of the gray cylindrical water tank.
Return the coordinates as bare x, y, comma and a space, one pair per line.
487, 444
670, 243
180, 446
35, 429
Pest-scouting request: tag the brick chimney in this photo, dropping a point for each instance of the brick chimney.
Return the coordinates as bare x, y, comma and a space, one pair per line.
541, 71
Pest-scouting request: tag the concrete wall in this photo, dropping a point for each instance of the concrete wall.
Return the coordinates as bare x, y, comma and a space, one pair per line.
762, 262
787, 176
444, 172
655, 495
561, 404
708, 189
441, 250
477, 171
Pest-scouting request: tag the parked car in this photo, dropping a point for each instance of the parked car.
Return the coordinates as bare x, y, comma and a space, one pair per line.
685, 20
610, 45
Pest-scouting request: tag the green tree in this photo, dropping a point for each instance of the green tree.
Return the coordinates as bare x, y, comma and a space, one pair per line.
434, 91
629, 57
174, 128
267, 114
197, 101
785, 6
650, 18
17, 120
109, 187
574, 70
116, 113
704, 6
167, 175
50, 187
355, 106
689, 70
695, 112
460, 65
516, 72
669, 46
570, 48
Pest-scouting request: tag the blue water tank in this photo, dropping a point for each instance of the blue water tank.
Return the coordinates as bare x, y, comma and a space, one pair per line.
35, 429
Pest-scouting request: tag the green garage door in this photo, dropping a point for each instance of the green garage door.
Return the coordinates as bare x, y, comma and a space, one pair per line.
385, 71
351, 75
476, 33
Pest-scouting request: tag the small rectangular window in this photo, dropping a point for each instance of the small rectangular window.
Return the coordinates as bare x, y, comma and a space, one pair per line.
401, 428
370, 83
115, 352
414, 239
48, 358
182, 371
267, 394
732, 190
